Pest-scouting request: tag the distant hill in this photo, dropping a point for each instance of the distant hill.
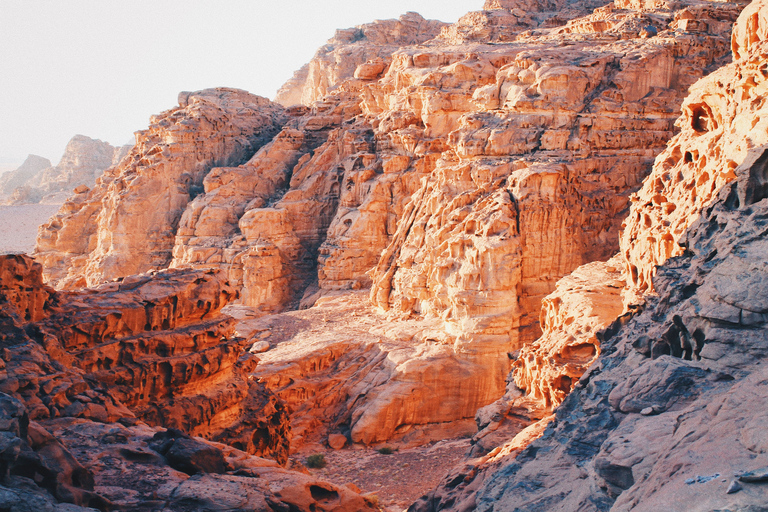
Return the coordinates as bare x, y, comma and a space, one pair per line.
37, 180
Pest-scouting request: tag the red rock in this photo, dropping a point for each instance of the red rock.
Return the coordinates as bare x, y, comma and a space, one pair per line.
337, 441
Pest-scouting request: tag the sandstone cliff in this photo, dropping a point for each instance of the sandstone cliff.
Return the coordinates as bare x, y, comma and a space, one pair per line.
341, 57
655, 423
83, 162
126, 224
459, 179
84, 375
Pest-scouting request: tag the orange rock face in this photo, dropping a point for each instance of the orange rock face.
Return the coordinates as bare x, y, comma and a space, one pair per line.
362, 52
584, 302
459, 179
154, 346
722, 119
126, 224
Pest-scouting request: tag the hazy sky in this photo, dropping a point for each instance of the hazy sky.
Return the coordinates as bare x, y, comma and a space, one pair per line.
101, 67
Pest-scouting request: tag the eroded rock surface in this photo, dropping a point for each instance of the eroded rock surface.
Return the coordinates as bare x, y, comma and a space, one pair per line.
480, 175
67, 464
674, 401
722, 119
126, 224
653, 424
459, 178
152, 346
359, 52
88, 378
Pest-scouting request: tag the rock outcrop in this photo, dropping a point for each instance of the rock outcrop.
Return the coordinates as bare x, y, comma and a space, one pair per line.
666, 417
85, 376
69, 464
83, 162
459, 179
723, 119
151, 346
670, 415
360, 52
126, 224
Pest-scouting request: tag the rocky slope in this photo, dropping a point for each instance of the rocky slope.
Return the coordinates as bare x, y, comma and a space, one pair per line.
84, 375
668, 417
458, 178
83, 162
126, 223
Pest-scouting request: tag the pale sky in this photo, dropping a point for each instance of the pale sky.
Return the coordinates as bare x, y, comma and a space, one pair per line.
101, 67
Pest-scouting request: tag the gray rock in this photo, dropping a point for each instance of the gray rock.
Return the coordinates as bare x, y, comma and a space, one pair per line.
756, 476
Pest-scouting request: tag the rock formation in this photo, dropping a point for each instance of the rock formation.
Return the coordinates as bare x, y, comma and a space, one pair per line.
428, 211
85, 374
83, 162
11, 180
155, 342
722, 120
671, 414
667, 417
359, 52
459, 178
125, 225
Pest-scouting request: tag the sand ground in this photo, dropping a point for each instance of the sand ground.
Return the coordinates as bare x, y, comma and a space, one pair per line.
18, 226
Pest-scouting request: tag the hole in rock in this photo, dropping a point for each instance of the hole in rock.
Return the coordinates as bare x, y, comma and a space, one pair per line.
322, 494
702, 119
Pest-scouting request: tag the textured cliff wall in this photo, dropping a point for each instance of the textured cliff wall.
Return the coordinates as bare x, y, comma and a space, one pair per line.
87, 378
126, 223
459, 179
723, 119
154, 343
341, 56
655, 423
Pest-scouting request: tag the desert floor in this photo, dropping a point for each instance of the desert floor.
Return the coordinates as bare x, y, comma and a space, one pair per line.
18, 226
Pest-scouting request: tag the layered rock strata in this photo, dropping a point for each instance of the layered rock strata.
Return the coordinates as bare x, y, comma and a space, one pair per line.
359, 52
669, 416
80, 371
71, 465
470, 172
126, 224
152, 346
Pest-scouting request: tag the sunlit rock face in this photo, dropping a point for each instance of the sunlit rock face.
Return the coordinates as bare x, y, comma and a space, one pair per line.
583, 303
723, 118
126, 223
458, 178
359, 52
152, 346
671, 401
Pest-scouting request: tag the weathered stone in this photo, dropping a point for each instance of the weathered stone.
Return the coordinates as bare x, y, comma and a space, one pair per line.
337, 441
126, 224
